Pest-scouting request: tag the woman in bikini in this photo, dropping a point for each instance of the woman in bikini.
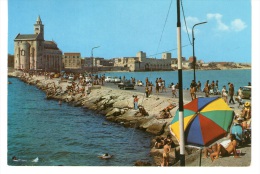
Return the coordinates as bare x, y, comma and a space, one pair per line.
231, 148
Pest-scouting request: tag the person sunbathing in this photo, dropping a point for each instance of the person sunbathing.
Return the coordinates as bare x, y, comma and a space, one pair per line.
170, 106
213, 148
231, 148
209, 150
164, 114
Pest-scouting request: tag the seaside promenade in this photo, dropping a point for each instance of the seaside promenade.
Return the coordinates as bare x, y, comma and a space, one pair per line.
121, 111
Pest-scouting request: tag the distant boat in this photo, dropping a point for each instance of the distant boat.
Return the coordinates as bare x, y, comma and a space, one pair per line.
9, 82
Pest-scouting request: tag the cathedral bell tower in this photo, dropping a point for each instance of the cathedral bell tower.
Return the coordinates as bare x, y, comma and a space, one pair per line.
39, 28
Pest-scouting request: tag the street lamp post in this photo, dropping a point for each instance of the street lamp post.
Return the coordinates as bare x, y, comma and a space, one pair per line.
193, 51
92, 62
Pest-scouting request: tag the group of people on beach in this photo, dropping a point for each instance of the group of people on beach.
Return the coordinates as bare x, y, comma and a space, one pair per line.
213, 89
209, 88
160, 85
225, 148
240, 135
243, 119
228, 93
165, 143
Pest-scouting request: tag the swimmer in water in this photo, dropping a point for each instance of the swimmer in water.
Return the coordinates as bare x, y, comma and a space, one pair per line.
14, 158
105, 156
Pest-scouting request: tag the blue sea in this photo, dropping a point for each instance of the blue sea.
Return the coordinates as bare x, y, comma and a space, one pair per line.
236, 76
66, 135
43, 133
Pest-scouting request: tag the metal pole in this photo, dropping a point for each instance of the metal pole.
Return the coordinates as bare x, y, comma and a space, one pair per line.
92, 62
193, 55
181, 119
193, 50
200, 156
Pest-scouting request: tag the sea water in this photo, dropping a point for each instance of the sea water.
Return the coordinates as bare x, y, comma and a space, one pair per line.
236, 76
43, 133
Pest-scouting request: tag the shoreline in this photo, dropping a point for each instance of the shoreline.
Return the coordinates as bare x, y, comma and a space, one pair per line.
117, 106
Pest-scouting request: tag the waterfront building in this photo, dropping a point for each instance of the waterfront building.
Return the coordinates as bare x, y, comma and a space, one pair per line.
32, 52
95, 61
72, 60
98, 64
142, 63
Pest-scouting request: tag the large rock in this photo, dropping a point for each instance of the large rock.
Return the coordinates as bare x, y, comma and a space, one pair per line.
122, 104
114, 112
154, 126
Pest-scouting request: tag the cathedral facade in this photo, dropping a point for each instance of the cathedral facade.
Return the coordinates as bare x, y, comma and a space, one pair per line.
32, 52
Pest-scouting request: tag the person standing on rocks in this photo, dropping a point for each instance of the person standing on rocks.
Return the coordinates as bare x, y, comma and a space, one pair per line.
224, 94
135, 102
193, 87
199, 86
173, 90
150, 90
147, 91
166, 154
206, 89
231, 93
146, 82
216, 85
157, 88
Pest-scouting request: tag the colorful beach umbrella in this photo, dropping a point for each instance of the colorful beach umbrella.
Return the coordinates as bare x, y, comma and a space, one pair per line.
205, 121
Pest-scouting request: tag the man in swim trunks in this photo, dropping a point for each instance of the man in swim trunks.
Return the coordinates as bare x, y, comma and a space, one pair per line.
166, 154
231, 148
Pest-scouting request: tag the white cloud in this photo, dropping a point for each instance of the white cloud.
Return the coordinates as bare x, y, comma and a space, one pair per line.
238, 25
235, 25
218, 17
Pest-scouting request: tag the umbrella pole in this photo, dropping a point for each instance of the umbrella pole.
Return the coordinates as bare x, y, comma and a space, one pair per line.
181, 118
200, 156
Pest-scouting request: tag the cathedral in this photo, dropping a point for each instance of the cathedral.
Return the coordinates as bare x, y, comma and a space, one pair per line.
32, 52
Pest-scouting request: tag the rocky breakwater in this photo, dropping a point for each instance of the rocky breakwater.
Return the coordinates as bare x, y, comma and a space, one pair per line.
117, 106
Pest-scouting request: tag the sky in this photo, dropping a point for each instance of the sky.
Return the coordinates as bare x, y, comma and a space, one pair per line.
122, 27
